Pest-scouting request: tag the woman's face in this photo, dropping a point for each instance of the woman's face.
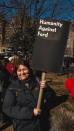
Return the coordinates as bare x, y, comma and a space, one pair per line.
22, 72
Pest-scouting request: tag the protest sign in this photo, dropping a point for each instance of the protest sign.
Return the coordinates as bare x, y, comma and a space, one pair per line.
50, 44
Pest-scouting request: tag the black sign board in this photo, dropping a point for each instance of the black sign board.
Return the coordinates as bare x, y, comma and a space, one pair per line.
50, 45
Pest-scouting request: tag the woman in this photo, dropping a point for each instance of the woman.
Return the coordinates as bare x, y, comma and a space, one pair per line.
21, 99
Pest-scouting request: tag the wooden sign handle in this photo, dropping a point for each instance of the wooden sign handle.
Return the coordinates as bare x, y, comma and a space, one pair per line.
40, 92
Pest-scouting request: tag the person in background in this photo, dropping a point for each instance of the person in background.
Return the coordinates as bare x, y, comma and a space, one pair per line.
4, 82
20, 102
9, 66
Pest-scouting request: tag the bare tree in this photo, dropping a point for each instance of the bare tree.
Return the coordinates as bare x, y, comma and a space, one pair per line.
25, 13
3, 27
62, 9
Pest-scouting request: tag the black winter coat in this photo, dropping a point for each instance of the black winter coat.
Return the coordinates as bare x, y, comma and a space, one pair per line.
19, 102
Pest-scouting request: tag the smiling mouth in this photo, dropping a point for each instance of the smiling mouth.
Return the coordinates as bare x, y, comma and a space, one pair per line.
22, 76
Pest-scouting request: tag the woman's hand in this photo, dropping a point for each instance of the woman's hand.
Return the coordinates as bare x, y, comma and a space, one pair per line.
37, 111
42, 84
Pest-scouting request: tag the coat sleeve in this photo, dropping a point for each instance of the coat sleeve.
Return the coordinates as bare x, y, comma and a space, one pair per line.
11, 109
